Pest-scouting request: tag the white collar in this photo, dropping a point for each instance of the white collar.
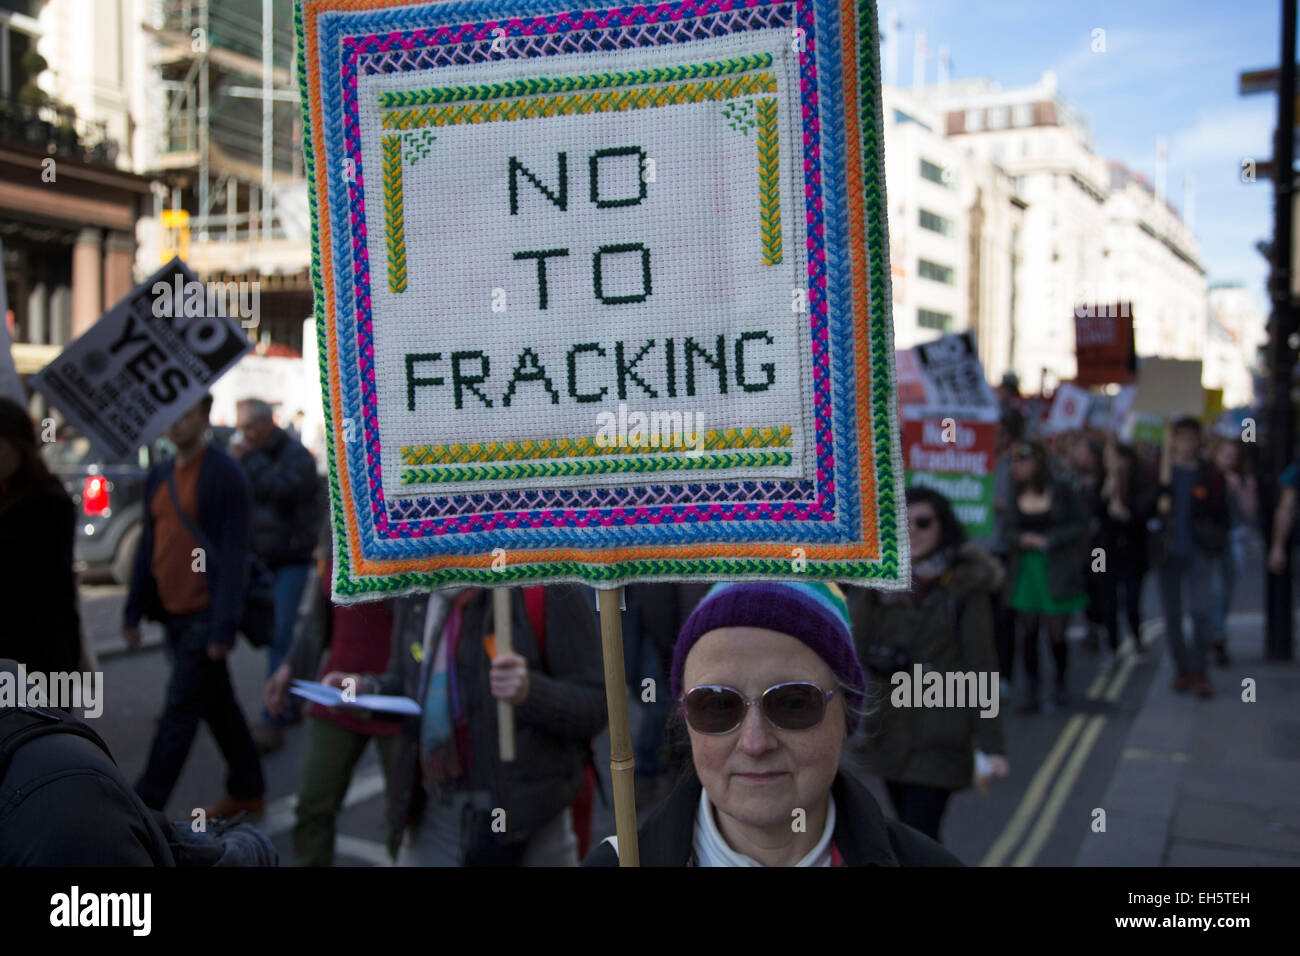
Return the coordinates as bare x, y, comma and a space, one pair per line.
712, 849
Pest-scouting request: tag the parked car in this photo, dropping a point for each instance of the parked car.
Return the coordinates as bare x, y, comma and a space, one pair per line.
109, 498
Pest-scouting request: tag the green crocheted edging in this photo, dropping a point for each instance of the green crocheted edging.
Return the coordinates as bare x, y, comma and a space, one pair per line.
569, 84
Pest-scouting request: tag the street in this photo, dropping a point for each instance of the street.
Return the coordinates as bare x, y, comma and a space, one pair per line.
1063, 763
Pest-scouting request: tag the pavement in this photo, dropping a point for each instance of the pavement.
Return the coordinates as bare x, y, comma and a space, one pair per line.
1209, 782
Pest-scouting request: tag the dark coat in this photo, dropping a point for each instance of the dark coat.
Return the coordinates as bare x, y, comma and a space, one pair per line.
38, 590
288, 505
1128, 540
949, 629
224, 514
862, 834
554, 727
63, 802
1067, 542
1210, 515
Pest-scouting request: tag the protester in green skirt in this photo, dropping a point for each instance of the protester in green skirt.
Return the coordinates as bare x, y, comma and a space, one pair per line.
1045, 531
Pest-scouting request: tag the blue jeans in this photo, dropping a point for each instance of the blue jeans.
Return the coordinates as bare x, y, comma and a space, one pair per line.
1197, 572
290, 579
199, 689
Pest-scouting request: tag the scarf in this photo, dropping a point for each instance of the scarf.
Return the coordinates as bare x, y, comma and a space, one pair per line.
712, 849
444, 730
926, 573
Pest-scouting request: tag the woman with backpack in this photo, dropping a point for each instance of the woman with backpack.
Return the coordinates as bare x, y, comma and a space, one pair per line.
1045, 531
944, 622
769, 687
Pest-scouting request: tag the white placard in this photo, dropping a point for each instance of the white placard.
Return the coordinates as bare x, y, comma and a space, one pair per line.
146, 362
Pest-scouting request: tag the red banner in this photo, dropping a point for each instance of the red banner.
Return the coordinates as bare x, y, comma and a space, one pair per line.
1104, 346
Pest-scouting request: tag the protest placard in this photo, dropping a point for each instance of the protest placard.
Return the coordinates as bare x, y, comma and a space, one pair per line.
1169, 387
953, 376
147, 361
955, 456
601, 294
911, 384
1069, 411
1104, 346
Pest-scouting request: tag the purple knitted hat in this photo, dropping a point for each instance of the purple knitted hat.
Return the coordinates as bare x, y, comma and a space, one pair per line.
815, 613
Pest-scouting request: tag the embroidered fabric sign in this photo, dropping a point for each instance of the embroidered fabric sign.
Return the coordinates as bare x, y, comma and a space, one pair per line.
602, 294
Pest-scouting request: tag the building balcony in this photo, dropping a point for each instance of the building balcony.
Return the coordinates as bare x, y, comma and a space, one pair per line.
55, 129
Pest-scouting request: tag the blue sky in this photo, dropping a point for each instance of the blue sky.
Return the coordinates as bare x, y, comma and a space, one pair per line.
1169, 69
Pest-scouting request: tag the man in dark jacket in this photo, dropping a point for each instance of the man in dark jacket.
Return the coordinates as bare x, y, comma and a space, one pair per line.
1193, 501
194, 502
287, 511
450, 793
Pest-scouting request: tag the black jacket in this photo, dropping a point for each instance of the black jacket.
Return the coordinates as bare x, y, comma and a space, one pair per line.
554, 727
63, 802
862, 834
38, 592
287, 501
1067, 542
1210, 517
224, 510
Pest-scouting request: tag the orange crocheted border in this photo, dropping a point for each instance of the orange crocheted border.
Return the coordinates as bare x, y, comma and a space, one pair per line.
868, 548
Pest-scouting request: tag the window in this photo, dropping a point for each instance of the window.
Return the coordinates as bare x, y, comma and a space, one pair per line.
1023, 114
937, 223
932, 270
974, 121
998, 117
940, 321
937, 174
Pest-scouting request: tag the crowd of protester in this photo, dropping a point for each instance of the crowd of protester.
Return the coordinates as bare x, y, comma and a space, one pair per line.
763, 698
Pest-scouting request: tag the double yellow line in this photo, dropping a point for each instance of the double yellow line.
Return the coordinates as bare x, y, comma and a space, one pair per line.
1080, 729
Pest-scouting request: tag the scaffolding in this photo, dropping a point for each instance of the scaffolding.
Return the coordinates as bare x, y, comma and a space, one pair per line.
226, 86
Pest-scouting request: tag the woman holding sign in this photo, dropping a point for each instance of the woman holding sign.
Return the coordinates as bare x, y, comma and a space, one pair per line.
769, 687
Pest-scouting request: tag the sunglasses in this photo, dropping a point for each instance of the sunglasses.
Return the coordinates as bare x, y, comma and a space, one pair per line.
715, 710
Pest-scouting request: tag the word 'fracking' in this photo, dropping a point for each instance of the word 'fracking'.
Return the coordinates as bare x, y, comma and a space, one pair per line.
654, 368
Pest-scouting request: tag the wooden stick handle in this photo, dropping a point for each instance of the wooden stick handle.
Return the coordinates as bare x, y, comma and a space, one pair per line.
621, 763
501, 622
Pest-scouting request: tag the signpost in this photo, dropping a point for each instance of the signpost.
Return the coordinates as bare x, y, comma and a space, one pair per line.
601, 298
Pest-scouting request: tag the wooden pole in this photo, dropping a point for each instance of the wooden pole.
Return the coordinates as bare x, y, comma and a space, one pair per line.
621, 763
501, 622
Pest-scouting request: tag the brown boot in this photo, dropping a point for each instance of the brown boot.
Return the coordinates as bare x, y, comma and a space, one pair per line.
1183, 681
228, 806
1201, 685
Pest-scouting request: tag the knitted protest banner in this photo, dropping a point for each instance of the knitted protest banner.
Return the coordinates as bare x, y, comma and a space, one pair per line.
602, 294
